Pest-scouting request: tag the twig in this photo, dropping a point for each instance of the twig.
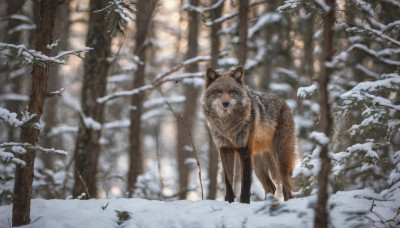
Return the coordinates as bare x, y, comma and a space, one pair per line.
104, 207
398, 213
372, 205
158, 161
84, 185
191, 140
55, 93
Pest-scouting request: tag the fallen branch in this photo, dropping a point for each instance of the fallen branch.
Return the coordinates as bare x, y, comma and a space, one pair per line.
84, 185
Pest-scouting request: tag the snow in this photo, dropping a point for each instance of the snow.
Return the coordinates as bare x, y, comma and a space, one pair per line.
22, 27
368, 147
324, 6
320, 137
10, 117
91, 123
309, 90
20, 17
289, 4
268, 18
350, 209
14, 97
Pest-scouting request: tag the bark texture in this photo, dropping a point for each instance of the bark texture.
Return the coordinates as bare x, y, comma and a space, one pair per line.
145, 13
24, 174
321, 211
190, 106
96, 68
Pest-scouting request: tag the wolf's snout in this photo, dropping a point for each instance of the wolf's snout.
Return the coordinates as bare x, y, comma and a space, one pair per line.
225, 104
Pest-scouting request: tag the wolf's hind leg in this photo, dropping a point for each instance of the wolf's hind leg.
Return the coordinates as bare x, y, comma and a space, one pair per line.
227, 156
246, 166
261, 166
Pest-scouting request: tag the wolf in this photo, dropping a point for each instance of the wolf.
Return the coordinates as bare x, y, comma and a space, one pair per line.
257, 126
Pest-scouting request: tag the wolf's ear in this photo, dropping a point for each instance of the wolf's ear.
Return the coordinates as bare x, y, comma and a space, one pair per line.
238, 74
211, 75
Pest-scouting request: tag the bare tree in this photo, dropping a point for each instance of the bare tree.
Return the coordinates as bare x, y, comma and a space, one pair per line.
321, 213
213, 152
190, 106
40, 74
145, 13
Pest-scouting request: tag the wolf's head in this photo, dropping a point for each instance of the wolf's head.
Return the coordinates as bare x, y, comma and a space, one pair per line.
225, 93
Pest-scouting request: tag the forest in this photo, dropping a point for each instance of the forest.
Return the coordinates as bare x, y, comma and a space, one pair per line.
102, 124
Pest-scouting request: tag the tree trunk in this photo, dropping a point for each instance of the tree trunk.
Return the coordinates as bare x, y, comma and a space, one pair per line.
143, 19
40, 74
213, 153
190, 105
52, 115
243, 11
96, 67
321, 212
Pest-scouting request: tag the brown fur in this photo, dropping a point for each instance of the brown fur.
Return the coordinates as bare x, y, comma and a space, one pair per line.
258, 126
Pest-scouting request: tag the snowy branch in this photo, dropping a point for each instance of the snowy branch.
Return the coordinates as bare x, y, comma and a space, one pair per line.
378, 55
231, 15
371, 31
30, 56
159, 80
10, 117
303, 92
55, 93
34, 147
188, 7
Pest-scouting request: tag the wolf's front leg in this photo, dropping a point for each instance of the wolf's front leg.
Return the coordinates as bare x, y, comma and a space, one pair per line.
227, 156
245, 164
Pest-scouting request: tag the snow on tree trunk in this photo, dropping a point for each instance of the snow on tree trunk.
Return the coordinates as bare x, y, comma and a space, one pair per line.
145, 13
321, 213
190, 106
96, 68
24, 174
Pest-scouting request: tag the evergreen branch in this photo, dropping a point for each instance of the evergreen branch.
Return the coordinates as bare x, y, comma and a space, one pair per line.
116, 17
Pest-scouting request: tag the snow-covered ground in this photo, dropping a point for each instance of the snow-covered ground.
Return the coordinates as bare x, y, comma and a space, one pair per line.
350, 209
